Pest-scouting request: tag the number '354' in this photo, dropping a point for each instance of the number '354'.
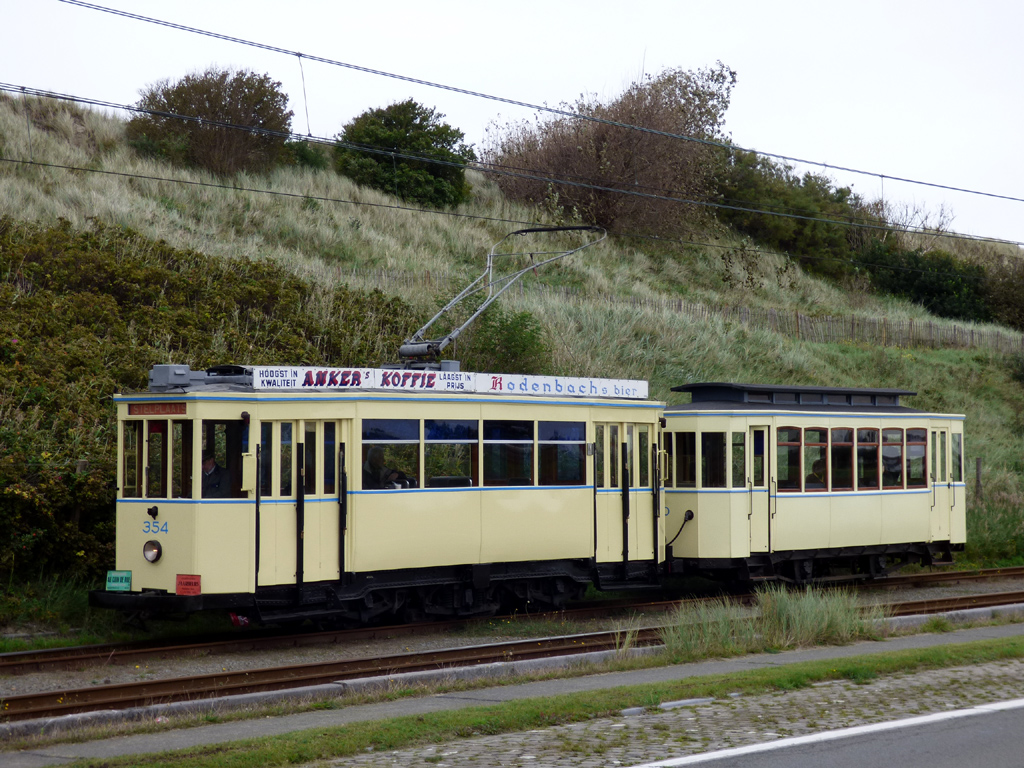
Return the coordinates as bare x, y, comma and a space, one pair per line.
154, 526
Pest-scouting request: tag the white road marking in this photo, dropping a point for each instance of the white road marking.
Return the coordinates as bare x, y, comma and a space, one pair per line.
841, 733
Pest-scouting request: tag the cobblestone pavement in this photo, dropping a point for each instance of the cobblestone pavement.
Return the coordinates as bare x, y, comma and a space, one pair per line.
722, 724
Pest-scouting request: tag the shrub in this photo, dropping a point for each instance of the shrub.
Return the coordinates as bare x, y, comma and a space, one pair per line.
1004, 291
504, 341
86, 314
748, 183
381, 148
942, 284
559, 149
307, 155
231, 98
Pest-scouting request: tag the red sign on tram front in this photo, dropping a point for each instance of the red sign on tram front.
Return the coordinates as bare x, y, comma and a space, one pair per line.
156, 409
187, 584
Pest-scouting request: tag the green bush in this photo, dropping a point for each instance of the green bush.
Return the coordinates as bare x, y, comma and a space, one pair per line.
380, 149
748, 183
503, 341
235, 98
307, 155
86, 314
942, 284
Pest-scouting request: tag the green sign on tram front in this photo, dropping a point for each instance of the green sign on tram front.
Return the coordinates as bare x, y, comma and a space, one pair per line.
119, 581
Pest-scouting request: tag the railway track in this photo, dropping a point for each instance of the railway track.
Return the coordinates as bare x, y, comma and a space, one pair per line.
136, 694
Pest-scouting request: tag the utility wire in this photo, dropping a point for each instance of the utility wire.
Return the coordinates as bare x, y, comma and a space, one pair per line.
854, 222
453, 214
536, 107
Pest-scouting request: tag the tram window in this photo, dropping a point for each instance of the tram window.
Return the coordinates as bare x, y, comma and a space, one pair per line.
508, 453
266, 446
398, 441
131, 481
785, 397
712, 459
943, 475
686, 459
842, 459
668, 440
330, 460
935, 457
867, 460
156, 469
892, 458
809, 397
643, 447
815, 459
227, 439
562, 450
758, 397
837, 399
450, 453
958, 458
917, 447
181, 459
739, 459
309, 459
885, 400
789, 458
614, 462
860, 399
757, 465
599, 455
286, 458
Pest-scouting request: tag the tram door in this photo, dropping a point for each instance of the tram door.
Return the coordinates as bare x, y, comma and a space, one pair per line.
302, 505
942, 486
757, 491
624, 496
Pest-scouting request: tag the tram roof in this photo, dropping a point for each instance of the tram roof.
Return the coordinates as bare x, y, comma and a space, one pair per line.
792, 396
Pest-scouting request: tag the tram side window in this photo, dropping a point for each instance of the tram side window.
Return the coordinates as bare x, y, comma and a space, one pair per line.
226, 439
643, 447
508, 453
330, 457
892, 458
309, 459
450, 458
391, 453
599, 451
842, 459
867, 460
712, 459
562, 450
156, 470
788, 446
669, 441
815, 461
943, 475
181, 459
286, 454
739, 459
614, 450
686, 459
917, 459
266, 446
958, 458
131, 484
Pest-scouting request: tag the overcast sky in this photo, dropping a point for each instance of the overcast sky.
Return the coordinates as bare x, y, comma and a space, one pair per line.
930, 91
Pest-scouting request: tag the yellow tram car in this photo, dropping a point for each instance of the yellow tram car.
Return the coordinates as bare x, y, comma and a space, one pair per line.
805, 483
287, 493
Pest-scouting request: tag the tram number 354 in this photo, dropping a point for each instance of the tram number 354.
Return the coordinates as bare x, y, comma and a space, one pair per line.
153, 526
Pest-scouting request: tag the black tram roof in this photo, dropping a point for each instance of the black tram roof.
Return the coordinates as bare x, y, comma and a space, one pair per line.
791, 397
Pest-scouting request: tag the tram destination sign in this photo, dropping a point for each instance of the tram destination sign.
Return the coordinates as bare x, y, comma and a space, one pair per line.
290, 377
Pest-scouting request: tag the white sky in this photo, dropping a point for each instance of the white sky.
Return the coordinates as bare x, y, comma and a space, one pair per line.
926, 90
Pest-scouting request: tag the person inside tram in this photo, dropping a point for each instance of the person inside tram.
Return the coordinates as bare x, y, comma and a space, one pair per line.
377, 476
216, 480
817, 477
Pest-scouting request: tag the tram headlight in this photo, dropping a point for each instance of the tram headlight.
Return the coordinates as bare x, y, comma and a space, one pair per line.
152, 550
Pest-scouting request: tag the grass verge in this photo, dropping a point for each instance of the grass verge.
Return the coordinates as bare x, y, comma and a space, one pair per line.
440, 727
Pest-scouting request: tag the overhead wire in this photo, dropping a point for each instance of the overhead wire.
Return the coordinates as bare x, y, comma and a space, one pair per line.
527, 105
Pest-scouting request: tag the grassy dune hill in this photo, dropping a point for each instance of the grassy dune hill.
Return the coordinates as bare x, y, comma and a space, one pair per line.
323, 230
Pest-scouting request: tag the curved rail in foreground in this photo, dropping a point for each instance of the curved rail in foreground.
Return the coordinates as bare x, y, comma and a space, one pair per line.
123, 696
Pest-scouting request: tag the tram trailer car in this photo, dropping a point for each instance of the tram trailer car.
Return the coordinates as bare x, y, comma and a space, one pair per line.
808, 483
355, 495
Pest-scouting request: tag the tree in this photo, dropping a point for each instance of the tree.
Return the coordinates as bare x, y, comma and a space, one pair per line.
581, 167
216, 98
405, 149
